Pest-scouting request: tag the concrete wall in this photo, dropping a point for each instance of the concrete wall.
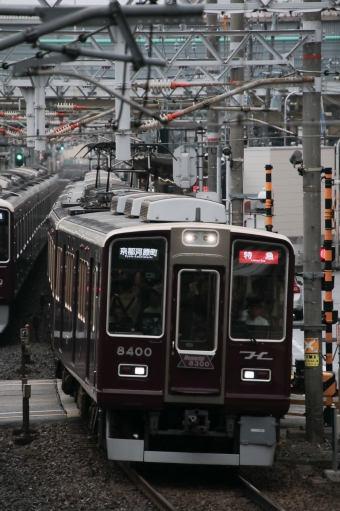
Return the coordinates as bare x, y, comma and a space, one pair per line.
287, 184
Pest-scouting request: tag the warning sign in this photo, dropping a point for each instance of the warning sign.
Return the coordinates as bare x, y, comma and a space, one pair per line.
311, 345
312, 358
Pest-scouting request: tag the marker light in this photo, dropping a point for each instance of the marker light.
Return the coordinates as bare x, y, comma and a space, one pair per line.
132, 370
256, 375
200, 238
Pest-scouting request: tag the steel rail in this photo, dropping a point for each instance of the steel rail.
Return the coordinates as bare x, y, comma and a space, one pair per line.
258, 497
156, 498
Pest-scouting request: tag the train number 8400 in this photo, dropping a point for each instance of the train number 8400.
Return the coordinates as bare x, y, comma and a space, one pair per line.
147, 352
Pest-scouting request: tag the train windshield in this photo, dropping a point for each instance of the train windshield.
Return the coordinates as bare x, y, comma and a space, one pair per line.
197, 310
4, 235
259, 291
137, 286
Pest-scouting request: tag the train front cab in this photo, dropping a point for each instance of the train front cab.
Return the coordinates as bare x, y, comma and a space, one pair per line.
226, 383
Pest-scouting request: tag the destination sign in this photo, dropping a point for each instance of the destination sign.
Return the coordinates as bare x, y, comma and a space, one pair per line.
138, 253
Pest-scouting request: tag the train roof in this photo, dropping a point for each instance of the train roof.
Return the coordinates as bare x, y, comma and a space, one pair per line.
95, 216
16, 185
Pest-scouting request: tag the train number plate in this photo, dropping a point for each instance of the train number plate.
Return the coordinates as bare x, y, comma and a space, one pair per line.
195, 361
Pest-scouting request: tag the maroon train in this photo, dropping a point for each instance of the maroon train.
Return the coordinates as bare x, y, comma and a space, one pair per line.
172, 330
26, 198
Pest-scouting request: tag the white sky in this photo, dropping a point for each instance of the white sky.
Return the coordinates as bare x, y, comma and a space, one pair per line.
87, 3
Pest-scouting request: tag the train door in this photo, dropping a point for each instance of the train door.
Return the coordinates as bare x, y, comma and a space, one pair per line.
93, 326
68, 303
59, 298
81, 319
195, 360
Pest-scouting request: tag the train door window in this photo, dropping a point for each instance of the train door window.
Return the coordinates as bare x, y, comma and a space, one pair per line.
20, 236
58, 275
51, 262
25, 229
83, 267
94, 299
137, 286
95, 306
197, 310
69, 280
258, 291
4, 235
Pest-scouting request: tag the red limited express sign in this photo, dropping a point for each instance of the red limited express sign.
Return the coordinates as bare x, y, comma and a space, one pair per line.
258, 257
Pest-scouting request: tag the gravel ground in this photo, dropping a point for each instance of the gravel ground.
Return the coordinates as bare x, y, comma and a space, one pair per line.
63, 469
27, 310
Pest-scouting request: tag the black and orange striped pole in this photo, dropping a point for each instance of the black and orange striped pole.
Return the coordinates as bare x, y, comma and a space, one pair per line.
269, 199
330, 316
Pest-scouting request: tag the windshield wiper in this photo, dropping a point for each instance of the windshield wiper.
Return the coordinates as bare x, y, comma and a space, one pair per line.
246, 330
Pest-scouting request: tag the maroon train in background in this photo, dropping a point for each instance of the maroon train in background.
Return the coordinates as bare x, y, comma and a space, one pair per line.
26, 198
172, 330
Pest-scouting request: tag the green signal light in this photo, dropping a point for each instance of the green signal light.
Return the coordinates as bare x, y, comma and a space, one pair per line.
19, 156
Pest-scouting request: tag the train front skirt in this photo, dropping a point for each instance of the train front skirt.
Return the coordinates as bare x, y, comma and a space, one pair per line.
257, 447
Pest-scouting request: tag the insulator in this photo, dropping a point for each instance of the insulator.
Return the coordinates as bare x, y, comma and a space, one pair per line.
63, 129
70, 106
55, 114
151, 125
9, 113
65, 106
156, 86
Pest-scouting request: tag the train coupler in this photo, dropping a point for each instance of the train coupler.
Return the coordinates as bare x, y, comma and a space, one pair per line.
196, 421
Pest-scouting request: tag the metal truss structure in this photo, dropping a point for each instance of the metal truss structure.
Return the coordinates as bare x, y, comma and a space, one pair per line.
87, 54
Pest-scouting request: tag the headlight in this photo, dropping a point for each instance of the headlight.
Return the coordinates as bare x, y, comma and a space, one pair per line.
200, 238
190, 237
210, 238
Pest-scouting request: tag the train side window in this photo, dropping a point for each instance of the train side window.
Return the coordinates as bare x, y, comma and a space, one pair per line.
69, 280
58, 274
95, 295
83, 268
4, 235
197, 310
136, 292
258, 291
51, 263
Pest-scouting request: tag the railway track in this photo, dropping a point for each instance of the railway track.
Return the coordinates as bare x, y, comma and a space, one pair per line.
258, 497
156, 498
252, 493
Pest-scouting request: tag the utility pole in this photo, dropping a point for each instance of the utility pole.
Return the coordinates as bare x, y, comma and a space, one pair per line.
312, 231
213, 127
236, 127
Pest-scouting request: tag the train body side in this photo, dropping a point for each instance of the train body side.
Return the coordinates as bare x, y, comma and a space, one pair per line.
23, 213
191, 384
